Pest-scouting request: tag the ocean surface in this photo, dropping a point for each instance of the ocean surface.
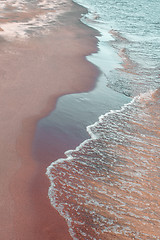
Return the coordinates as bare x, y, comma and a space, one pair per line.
109, 186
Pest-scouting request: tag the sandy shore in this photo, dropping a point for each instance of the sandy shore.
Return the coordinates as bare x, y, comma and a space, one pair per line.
33, 74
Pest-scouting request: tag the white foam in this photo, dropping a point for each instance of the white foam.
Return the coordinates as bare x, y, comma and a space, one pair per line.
38, 24
19, 5
69, 157
20, 29
47, 4
13, 30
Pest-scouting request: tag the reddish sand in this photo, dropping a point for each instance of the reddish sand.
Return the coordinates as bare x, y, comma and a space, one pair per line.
32, 75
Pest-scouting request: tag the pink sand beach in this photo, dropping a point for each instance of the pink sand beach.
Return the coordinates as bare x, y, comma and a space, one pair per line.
34, 73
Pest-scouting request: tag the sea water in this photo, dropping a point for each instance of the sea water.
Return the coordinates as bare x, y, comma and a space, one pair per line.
109, 186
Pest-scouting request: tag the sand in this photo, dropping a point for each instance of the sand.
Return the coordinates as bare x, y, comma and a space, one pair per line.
33, 74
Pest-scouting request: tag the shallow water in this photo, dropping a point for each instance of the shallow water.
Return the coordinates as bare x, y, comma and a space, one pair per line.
108, 188
65, 127
110, 183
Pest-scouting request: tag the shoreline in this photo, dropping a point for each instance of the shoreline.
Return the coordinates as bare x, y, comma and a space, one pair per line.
68, 191
54, 146
23, 204
34, 74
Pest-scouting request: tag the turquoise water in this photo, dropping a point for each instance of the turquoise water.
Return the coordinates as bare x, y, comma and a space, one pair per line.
109, 186
135, 27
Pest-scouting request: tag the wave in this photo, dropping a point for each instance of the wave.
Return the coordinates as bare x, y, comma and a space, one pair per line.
109, 184
108, 187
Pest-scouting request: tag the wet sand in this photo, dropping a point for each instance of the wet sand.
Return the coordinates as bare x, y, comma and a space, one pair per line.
33, 74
